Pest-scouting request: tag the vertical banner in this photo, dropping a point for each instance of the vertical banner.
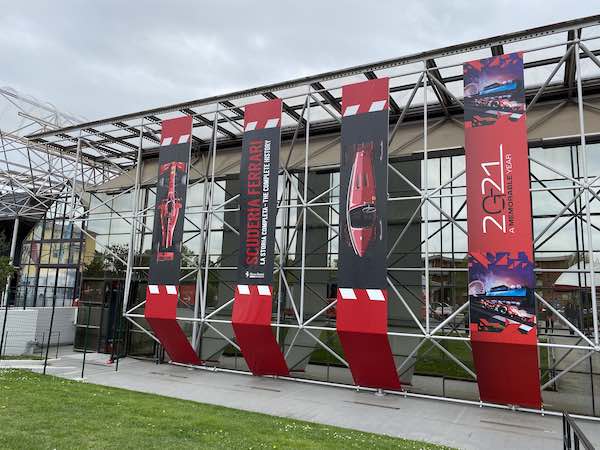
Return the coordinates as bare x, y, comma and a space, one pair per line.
501, 277
165, 265
253, 300
362, 269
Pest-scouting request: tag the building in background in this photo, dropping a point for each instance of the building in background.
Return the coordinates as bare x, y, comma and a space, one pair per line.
89, 241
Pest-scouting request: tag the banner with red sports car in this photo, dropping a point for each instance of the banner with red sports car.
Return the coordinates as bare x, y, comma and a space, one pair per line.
501, 275
259, 171
162, 292
362, 271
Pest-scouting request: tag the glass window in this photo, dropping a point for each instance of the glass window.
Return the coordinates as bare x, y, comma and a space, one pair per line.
69, 296
119, 226
48, 296
98, 224
60, 296
75, 247
51, 280
25, 253
30, 297
47, 230
67, 229
123, 203
61, 278
76, 232
44, 253
35, 253
54, 253
71, 277
64, 253
57, 233
37, 230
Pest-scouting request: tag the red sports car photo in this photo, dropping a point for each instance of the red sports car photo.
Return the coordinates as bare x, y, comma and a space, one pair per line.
361, 211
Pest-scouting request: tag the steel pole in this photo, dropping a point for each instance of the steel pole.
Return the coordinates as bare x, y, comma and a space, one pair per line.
13, 246
587, 198
136, 199
425, 193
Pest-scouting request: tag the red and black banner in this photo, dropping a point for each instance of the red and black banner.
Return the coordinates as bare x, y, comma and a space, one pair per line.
259, 171
362, 294
163, 280
501, 276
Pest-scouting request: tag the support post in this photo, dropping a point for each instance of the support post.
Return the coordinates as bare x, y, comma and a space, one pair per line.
587, 198
136, 200
13, 246
425, 193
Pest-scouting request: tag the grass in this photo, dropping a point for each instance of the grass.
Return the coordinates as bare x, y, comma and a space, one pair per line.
39, 411
22, 357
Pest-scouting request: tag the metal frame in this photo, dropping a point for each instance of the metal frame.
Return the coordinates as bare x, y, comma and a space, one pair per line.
92, 153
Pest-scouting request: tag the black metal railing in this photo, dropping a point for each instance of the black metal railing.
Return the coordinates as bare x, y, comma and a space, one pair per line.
573, 437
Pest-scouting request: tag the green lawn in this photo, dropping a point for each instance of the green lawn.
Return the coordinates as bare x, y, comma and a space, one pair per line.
23, 357
48, 412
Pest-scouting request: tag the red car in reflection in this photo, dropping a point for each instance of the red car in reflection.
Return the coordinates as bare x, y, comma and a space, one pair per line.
361, 213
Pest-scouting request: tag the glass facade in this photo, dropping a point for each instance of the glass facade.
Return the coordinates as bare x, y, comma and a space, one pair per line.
438, 234
51, 260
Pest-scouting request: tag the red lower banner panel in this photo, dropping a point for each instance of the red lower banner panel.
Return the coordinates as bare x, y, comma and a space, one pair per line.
507, 371
160, 313
362, 328
251, 321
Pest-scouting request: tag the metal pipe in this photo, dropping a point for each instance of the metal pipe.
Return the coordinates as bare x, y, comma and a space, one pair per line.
587, 197
136, 200
425, 183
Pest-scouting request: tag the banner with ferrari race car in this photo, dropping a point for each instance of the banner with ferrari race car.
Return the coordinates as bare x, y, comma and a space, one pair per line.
253, 300
162, 293
362, 271
501, 267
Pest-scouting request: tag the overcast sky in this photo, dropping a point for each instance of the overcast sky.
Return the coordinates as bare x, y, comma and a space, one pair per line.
101, 58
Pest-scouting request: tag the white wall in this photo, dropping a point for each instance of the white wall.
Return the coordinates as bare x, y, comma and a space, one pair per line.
27, 328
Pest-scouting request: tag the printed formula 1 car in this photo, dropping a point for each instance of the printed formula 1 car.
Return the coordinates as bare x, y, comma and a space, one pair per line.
169, 211
509, 309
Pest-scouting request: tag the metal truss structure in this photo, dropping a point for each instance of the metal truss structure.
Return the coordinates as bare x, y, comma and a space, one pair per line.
562, 71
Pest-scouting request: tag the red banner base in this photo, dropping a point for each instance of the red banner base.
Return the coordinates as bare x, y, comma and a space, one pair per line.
370, 359
362, 328
174, 340
260, 350
161, 312
507, 373
251, 321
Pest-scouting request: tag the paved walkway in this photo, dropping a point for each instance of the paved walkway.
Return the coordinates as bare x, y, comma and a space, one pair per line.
461, 426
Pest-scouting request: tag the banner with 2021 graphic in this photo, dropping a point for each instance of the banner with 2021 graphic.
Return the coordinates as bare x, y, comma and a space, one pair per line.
501, 277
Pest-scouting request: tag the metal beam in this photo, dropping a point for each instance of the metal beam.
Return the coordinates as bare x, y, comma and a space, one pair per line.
330, 99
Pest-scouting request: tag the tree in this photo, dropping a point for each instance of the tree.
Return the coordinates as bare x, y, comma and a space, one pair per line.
108, 262
6, 268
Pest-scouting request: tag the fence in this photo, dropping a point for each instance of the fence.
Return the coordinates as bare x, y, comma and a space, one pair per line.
573, 437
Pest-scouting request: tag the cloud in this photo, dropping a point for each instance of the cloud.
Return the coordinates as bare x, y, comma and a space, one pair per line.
98, 59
